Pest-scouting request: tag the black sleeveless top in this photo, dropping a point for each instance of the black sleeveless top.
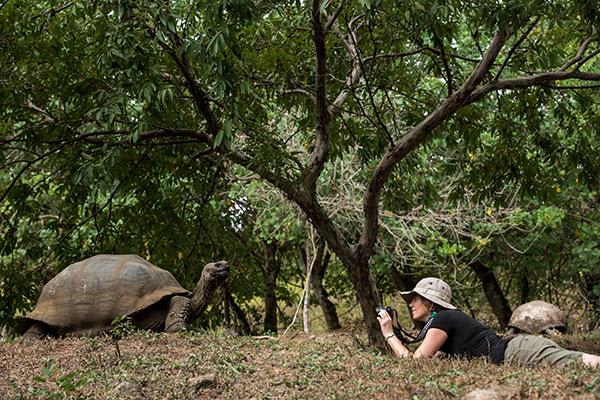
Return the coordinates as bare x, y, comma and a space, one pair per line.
467, 337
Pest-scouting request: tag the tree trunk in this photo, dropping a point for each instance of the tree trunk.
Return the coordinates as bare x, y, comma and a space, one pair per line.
271, 271
493, 292
316, 282
329, 311
367, 297
308, 266
402, 281
357, 267
242, 324
226, 308
592, 281
524, 287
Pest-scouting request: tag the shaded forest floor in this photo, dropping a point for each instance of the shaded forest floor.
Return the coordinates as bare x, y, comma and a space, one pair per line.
301, 366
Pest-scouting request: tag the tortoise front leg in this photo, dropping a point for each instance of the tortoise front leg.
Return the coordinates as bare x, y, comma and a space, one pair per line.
36, 331
179, 307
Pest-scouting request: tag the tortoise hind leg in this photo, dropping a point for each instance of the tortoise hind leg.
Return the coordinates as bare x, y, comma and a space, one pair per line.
179, 307
35, 332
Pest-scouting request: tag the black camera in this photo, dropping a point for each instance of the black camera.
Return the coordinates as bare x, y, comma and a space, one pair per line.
395, 324
387, 309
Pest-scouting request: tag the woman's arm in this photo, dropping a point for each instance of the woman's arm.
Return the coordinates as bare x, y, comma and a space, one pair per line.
433, 342
387, 329
434, 339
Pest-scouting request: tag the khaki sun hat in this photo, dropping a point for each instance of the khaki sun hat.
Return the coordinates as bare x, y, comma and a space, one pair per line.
434, 290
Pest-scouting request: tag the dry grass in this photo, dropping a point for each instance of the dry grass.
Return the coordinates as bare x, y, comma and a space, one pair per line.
323, 366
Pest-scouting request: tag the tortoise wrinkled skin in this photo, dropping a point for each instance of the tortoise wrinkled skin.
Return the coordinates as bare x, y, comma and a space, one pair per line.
538, 317
87, 296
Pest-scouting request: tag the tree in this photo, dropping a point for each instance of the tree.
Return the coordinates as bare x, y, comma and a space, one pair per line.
238, 80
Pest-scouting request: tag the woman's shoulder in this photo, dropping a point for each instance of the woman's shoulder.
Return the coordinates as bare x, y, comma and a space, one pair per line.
452, 314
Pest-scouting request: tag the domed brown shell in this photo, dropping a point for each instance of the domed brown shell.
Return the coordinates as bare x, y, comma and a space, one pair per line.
87, 296
537, 316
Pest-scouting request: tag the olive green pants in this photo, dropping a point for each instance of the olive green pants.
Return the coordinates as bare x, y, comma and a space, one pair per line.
531, 351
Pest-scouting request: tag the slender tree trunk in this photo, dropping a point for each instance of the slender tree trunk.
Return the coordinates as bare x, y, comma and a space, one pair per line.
329, 311
308, 266
316, 282
524, 288
493, 292
271, 271
592, 281
242, 322
402, 281
226, 308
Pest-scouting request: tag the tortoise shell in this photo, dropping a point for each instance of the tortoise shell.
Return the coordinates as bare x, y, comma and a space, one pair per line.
536, 317
87, 296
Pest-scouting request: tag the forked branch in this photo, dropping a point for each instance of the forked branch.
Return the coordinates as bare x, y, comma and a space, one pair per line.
416, 136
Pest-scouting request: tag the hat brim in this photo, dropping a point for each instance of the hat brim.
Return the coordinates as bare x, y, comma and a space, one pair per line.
407, 296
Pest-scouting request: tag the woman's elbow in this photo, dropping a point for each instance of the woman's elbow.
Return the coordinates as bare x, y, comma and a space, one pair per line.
421, 354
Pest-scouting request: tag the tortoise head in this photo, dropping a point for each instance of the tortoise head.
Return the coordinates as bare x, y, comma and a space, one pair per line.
213, 275
215, 272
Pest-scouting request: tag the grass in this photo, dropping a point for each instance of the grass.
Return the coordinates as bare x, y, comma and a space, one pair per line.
324, 366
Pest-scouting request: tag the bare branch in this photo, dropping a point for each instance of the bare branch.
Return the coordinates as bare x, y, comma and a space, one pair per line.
588, 58
543, 79
331, 20
418, 51
178, 54
29, 164
355, 73
580, 52
444, 62
45, 114
199, 96
574, 87
515, 47
484, 66
94, 137
303, 92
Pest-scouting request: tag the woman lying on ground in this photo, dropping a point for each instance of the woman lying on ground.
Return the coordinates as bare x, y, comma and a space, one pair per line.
452, 332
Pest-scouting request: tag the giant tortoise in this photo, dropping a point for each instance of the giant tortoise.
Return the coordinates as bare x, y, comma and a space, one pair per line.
537, 317
87, 296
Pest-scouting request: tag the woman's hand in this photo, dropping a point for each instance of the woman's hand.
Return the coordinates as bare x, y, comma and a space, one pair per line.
387, 329
385, 323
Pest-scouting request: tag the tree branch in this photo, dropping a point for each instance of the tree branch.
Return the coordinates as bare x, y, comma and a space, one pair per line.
352, 79
588, 58
179, 56
45, 114
93, 137
302, 92
331, 20
514, 48
580, 52
543, 79
444, 62
416, 136
321, 149
418, 51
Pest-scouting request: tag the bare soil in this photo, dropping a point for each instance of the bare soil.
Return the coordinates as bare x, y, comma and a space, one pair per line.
214, 365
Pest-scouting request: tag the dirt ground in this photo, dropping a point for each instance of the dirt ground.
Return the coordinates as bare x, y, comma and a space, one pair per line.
214, 365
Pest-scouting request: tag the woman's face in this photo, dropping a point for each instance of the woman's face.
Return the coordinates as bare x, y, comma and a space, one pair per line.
420, 308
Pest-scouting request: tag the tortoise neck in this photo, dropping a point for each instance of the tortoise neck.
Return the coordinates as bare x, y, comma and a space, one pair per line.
201, 298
